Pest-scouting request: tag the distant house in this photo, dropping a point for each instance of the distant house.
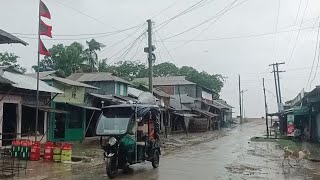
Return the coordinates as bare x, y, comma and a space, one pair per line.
18, 106
106, 82
174, 85
81, 115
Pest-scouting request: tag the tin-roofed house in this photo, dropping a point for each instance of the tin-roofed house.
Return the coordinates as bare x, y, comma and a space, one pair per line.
18, 106
80, 119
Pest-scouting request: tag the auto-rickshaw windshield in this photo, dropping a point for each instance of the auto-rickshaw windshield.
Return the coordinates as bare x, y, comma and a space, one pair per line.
114, 121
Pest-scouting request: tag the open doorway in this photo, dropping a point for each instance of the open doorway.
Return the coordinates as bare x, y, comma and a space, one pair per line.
9, 128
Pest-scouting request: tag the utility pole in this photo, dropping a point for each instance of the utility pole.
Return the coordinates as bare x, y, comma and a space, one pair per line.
240, 100
276, 72
266, 107
150, 55
279, 89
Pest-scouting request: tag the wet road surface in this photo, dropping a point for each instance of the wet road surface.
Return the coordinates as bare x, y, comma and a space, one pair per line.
230, 157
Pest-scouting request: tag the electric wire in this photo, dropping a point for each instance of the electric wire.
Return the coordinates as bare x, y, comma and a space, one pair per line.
126, 49
295, 22
240, 37
86, 34
165, 47
314, 57
188, 10
275, 37
164, 10
221, 13
121, 40
315, 73
91, 17
297, 37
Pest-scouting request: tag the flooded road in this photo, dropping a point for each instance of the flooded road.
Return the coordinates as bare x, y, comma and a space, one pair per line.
233, 156
230, 157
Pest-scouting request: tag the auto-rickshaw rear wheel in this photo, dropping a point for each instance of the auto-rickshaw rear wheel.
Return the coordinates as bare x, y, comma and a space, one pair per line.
112, 169
156, 159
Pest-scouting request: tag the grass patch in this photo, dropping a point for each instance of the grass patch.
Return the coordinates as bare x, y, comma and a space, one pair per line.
281, 142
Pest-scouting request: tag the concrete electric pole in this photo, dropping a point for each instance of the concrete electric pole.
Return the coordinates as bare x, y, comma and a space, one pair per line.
150, 55
276, 72
240, 101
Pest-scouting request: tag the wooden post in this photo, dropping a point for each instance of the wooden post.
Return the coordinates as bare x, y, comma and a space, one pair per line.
266, 107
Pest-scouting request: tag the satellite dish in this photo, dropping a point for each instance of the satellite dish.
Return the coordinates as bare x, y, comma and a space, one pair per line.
147, 98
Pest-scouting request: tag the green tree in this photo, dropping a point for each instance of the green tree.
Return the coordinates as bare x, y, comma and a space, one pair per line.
103, 66
91, 53
64, 59
128, 69
165, 69
10, 59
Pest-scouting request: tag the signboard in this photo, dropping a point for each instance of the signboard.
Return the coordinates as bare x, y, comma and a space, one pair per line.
290, 125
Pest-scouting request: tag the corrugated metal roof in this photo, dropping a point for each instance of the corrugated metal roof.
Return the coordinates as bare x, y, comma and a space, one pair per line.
27, 82
7, 38
73, 83
136, 92
175, 104
42, 75
165, 81
223, 102
94, 77
205, 113
186, 114
185, 99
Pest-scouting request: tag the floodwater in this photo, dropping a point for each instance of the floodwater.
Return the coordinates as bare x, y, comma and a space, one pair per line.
230, 157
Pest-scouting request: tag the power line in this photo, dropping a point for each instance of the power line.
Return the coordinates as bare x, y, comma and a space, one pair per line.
220, 14
164, 10
138, 50
188, 10
87, 34
158, 50
84, 14
73, 39
198, 25
275, 38
115, 44
128, 49
165, 47
297, 37
315, 73
314, 57
240, 37
295, 22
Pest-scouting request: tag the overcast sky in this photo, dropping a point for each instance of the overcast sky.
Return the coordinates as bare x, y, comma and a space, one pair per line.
218, 46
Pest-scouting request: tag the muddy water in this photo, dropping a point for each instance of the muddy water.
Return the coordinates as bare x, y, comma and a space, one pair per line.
230, 157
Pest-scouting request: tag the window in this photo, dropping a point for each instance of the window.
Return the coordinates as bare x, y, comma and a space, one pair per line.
75, 117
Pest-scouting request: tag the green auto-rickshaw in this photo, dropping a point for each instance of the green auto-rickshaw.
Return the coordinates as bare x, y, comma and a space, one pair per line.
129, 134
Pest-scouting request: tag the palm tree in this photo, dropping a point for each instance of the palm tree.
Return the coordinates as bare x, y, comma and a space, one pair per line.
91, 54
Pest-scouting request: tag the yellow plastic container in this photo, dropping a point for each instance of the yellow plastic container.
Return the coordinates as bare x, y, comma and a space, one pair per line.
66, 152
57, 154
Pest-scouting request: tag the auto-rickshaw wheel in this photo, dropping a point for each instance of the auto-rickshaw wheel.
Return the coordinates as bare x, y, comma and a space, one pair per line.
155, 159
112, 169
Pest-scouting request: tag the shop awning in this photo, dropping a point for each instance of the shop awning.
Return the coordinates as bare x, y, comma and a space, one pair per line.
205, 113
186, 114
85, 106
47, 109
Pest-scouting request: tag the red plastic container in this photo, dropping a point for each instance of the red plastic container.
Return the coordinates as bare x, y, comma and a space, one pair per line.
48, 151
35, 151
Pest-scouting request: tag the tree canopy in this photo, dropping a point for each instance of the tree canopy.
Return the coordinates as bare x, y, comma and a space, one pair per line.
76, 58
72, 58
10, 59
135, 69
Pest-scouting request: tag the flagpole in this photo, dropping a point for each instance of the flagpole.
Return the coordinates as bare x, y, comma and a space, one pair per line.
37, 106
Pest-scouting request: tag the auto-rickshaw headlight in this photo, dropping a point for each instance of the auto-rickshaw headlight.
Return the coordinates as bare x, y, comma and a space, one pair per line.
112, 141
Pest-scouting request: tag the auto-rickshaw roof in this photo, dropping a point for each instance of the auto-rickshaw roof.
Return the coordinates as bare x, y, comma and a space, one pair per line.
142, 109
